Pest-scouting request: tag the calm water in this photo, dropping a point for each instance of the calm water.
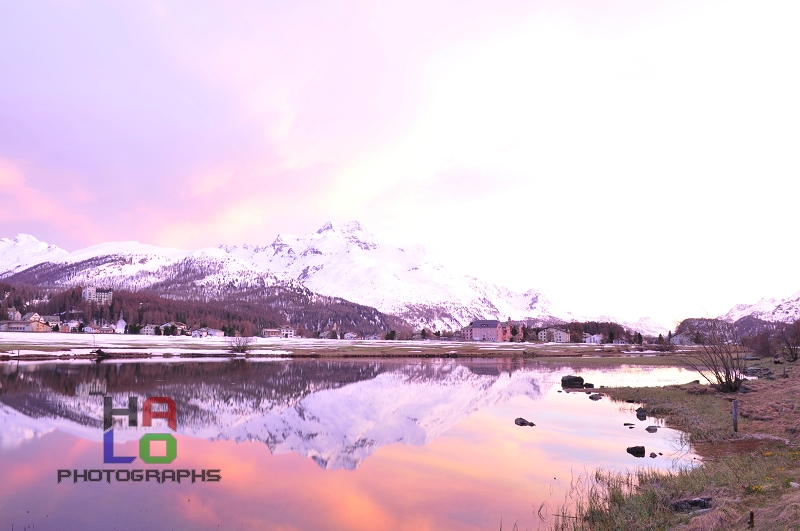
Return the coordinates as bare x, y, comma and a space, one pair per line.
401, 444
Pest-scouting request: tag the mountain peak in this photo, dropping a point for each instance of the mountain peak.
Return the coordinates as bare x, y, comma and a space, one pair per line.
348, 228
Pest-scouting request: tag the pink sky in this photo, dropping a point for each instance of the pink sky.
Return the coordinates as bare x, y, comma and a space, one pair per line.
617, 125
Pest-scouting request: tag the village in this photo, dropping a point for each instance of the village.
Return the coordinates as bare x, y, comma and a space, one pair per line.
481, 330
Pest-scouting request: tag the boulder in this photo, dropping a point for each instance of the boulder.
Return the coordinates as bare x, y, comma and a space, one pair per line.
588, 386
636, 451
641, 413
651, 429
572, 382
596, 396
628, 424
691, 504
653, 455
519, 421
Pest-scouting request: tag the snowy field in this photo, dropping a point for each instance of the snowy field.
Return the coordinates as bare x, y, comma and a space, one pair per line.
22, 345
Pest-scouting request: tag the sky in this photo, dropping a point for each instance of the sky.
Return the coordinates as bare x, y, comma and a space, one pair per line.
626, 157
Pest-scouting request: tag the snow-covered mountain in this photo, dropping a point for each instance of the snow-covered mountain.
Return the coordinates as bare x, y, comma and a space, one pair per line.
349, 262
773, 310
344, 261
25, 251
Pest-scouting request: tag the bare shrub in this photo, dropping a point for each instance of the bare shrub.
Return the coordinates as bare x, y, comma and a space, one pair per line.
788, 341
240, 345
721, 361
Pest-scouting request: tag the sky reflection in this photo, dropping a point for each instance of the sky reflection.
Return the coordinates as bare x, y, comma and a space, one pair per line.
477, 470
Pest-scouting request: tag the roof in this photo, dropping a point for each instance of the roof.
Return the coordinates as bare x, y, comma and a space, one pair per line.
28, 315
493, 323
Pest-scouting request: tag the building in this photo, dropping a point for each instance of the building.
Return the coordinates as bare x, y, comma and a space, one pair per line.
100, 296
213, 332
69, 326
51, 320
32, 316
180, 328
596, 339
200, 332
287, 332
681, 340
119, 328
14, 315
271, 332
148, 330
351, 335
486, 330
24, 326
553, 335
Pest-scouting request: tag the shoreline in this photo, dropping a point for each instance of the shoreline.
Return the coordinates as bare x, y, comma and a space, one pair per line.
754, 469
38, 347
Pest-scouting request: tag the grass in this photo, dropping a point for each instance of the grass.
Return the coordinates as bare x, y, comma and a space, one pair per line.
745, 471
641, 500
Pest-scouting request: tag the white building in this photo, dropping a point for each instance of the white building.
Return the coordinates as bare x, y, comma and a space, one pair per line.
553, 335
287, 332
100, 296
148, 330
595, 339
14, 315
119, 328
213, 332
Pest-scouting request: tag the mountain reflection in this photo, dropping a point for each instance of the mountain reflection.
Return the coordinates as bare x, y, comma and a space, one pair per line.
336, 412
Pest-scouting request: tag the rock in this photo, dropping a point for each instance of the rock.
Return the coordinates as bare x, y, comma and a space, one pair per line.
629, 401
651, 429
588, 392
588, 386
691, 504
572, 382
560, 391
519, 421
794, 485
641, 413
596, 396
751, 358
628, 424
630, 427
653, 455
636, 451
776, 360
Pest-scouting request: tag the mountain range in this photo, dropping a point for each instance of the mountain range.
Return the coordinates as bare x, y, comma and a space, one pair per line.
338, 260
772, 310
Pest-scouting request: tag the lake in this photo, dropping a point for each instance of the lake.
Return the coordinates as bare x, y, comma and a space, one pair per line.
315, 444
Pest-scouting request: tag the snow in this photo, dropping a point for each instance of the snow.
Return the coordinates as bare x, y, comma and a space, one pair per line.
774, 310
340, 260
